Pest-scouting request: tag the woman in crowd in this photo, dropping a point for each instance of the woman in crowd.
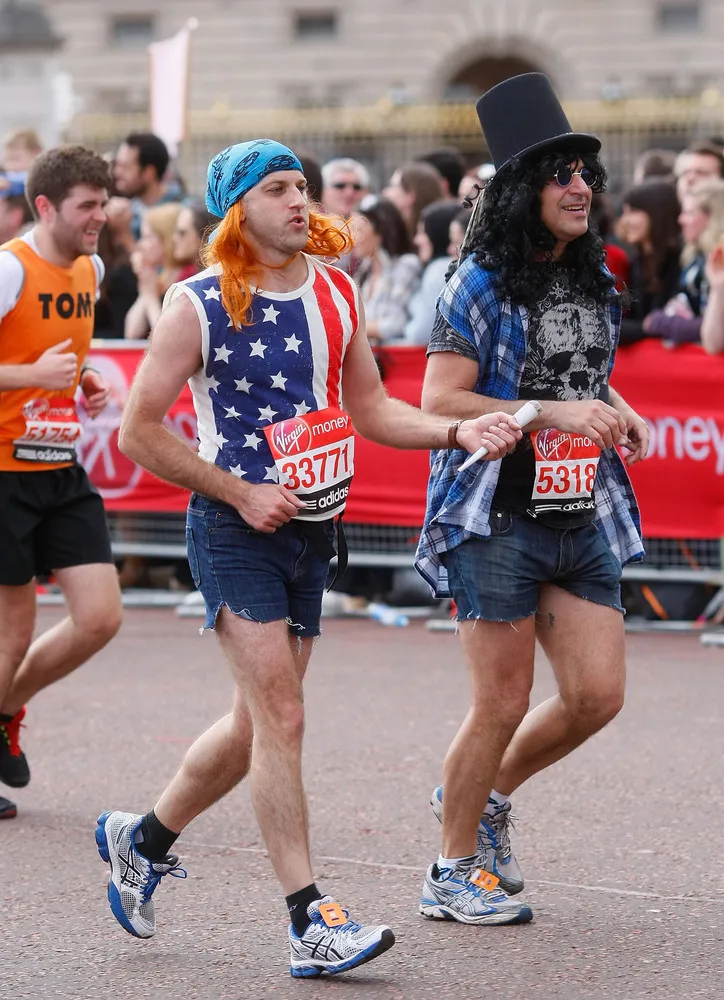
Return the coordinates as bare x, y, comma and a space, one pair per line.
432, 241
156, 269
411, 188
712, 325
387, 270
193, 224
616, 257
119, 288
649, 225
712, 245
700, 207
679, 321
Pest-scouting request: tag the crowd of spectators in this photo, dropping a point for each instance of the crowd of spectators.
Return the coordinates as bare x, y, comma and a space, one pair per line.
664, 236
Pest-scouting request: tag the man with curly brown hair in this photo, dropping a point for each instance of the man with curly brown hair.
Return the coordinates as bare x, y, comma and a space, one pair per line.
530, 546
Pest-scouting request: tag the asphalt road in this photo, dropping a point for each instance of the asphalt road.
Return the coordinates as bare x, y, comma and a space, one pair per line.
621, 844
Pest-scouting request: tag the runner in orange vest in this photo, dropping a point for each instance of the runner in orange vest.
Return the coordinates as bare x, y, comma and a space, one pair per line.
51, 518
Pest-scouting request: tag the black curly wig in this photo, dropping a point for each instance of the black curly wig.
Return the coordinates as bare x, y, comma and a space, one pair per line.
511, 239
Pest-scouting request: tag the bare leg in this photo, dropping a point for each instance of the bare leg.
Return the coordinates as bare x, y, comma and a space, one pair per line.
218, 760
269, 713
499, 658
17, 621
265, 670
584, 643
94, 602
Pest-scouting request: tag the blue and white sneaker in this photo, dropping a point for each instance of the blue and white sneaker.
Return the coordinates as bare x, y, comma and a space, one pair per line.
133, 878
471, 896
494, 853
333, 943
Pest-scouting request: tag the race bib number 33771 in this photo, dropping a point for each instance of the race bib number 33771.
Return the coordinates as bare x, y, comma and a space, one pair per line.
314, 455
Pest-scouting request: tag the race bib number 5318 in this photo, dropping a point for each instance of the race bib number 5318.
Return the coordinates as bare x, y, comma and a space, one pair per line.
565, 471
314, 455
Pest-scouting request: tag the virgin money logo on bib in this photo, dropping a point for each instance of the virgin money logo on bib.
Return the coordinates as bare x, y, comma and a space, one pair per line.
554, 445
291, 437
36, 409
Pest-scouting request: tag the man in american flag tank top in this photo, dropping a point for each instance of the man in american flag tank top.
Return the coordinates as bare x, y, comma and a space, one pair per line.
271, 340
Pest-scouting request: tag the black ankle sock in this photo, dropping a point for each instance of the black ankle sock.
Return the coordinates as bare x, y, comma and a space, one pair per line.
297, 904
156, 840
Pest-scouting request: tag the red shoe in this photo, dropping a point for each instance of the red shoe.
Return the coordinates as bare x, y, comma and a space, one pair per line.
14, 770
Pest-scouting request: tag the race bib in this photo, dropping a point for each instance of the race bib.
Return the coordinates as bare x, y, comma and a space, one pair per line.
51, 431
565, 472
314, 455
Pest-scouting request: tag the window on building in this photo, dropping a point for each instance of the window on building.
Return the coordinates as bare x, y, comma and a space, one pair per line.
131, 32
315, 24
679, 17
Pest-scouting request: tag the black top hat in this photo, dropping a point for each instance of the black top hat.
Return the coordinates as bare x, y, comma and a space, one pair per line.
522, 115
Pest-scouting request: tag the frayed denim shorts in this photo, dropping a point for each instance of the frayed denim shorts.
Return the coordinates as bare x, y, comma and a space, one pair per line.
498, 578
261, 576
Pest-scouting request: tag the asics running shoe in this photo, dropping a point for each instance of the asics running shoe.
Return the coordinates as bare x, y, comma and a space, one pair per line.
471, 896
133, 878
333, 943
494, 853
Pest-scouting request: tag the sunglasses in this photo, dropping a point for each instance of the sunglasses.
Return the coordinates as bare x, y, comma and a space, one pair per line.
564, 175
341, 185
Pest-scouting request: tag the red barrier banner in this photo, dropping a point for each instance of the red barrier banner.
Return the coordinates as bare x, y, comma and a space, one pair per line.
680, 487
123, 484
680, 392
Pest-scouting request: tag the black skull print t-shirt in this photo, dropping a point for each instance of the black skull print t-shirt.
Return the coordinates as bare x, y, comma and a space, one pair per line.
567, 357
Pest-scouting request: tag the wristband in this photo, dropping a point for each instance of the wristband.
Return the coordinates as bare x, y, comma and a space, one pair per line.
452, 434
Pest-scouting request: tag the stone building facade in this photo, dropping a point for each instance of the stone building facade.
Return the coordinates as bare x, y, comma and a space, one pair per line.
29, 69
299, 53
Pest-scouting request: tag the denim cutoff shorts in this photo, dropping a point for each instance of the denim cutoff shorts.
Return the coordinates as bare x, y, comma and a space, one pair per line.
261, 576
498, 578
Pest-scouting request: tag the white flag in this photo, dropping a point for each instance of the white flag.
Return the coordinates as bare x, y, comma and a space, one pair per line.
169, 86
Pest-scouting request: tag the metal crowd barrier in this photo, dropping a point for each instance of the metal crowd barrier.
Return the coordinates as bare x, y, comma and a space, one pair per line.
162, 536
159, 536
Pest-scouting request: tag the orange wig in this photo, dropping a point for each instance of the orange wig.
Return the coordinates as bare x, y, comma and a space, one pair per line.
240, 268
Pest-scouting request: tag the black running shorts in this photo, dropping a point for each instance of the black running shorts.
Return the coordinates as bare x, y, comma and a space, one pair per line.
49, 520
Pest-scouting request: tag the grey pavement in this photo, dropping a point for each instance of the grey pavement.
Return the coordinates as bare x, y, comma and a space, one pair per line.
621, 844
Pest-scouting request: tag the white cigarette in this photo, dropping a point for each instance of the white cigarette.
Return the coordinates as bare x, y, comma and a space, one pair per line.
528, 411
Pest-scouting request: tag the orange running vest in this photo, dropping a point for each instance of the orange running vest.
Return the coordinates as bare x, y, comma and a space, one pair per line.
55, 303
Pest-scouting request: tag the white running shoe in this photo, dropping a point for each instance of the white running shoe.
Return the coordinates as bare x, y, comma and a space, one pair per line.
471, 896
505, 865
133, 877
333, 943
494, 853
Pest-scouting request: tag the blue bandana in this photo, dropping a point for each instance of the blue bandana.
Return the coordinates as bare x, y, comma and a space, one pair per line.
237, 169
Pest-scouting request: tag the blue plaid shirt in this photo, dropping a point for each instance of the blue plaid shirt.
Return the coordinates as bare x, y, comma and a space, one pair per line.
458, 504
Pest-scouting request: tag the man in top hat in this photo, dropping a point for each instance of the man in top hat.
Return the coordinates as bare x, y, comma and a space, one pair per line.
270, 340
530, 546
